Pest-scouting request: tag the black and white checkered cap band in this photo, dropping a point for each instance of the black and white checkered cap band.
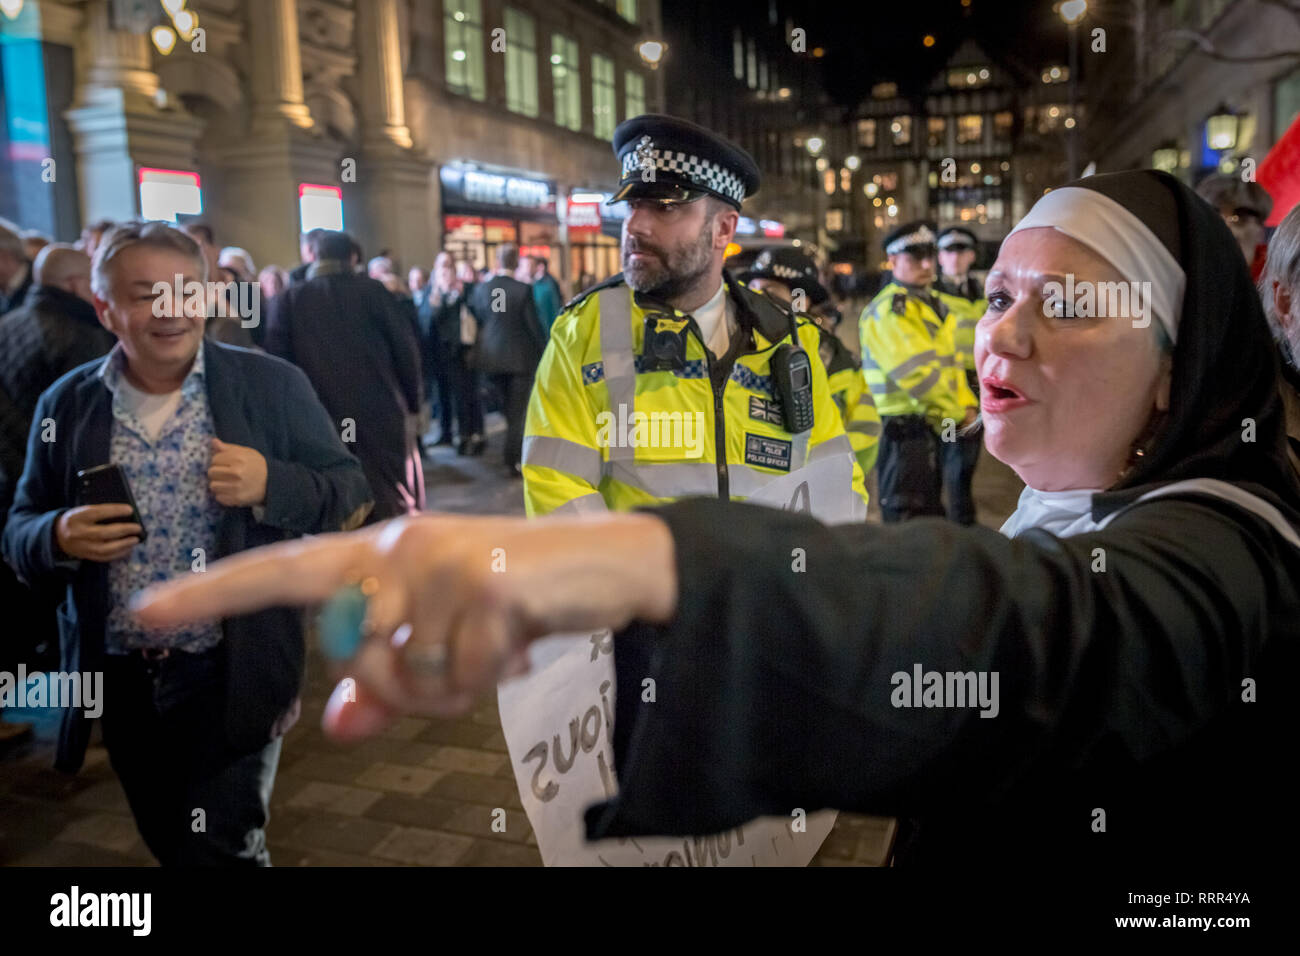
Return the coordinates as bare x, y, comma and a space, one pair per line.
782, 271
917, 237
702, 172
955, 239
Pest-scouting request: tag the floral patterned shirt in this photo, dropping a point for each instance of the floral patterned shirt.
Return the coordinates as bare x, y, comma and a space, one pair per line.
169, 478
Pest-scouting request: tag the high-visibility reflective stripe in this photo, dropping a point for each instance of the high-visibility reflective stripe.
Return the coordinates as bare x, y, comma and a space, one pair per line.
888, 388
869, 363
948, 361
916, 361
682, 480
839, 445
583, 504
668, 480
615, 305
546, 451
865, 428
968, 323
930, 381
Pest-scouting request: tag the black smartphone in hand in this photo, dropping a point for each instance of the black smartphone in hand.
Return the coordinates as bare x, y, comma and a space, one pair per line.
107, 485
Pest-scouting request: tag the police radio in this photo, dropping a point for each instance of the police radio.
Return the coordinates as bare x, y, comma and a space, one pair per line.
792, 373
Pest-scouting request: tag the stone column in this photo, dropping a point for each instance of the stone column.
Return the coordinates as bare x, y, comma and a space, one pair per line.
399, 190
120, 121
379, 69
276, 66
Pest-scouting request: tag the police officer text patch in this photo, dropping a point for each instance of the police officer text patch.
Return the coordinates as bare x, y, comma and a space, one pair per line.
767, 452
764, 410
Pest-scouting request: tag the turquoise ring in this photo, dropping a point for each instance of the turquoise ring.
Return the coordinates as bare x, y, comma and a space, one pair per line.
340, 625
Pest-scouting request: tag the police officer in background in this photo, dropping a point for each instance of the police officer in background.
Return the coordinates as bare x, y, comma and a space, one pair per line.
673, 337
965, 296
916, 375
788, 274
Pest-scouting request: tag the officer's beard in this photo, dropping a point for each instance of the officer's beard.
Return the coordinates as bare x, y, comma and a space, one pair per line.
673, 272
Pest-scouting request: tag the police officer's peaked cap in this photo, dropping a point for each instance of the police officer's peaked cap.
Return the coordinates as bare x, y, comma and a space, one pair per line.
663, 157
957, 236
792, 267
916, 237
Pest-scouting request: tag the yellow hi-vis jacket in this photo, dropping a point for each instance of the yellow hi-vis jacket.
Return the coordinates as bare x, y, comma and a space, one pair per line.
603, 433
849, 390
911, 360
967, 313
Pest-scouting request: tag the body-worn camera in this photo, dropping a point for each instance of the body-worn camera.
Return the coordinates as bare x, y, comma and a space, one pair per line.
665, 343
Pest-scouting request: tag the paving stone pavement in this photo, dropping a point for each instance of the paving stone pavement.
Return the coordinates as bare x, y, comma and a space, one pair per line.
422, 794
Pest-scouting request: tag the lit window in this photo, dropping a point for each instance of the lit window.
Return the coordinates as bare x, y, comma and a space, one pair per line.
627, 10
884, 91
935, 127
738, 55
901, 128
602, 96
463, 35
970, 128
521, 63
566, 79
1002, 123
634, 89
867, 133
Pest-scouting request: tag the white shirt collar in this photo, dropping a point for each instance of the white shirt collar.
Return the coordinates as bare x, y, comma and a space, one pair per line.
709, 317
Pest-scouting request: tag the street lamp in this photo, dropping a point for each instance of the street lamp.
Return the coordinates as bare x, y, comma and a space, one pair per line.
652, 52
815, 144
164, 38
1221, 129
1073, 12
1165, 159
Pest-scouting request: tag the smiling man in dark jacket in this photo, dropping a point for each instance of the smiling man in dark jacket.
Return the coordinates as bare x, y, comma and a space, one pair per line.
224, 449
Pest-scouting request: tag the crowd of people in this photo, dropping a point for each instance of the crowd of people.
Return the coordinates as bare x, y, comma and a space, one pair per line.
396, 366
347, 375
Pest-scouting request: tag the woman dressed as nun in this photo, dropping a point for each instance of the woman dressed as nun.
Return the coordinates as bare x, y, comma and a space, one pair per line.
1107, 680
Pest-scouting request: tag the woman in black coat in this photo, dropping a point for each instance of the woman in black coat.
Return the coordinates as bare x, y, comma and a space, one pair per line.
1130, 636
448, 296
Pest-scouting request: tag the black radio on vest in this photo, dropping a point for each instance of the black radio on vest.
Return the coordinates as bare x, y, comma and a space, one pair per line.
792, 374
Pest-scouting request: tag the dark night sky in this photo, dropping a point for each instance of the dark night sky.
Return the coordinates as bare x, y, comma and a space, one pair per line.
870, 40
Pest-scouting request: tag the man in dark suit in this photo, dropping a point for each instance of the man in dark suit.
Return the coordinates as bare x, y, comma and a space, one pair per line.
307, 249
509, 345
223, 449
360, 354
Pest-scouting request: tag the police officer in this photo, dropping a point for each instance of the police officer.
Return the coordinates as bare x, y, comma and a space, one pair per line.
789, 275
915, 374
964, 295
672, 378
